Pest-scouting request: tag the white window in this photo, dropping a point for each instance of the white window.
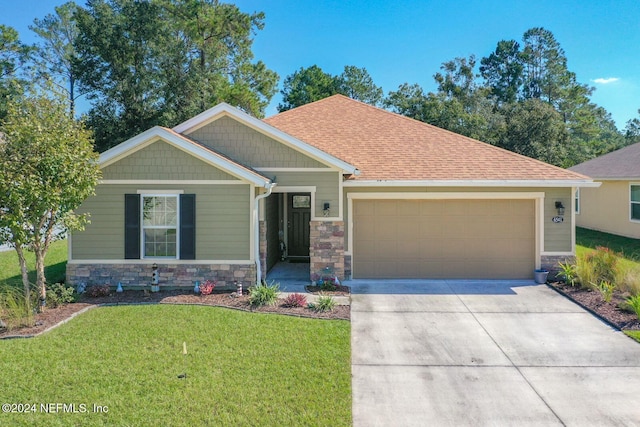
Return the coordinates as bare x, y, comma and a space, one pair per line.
160, 226
577, 201
635, 202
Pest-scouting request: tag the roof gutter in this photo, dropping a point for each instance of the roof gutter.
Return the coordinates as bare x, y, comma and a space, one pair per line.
256, 229
472, 183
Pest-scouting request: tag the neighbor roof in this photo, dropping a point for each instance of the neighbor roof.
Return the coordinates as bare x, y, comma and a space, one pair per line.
620, 164
386, 146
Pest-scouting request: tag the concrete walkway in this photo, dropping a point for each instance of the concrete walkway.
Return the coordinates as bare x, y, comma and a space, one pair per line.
293, 278
498, 353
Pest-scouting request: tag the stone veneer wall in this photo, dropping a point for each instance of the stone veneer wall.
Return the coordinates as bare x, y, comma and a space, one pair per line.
347, 267
550, 263
327, 246
170, 275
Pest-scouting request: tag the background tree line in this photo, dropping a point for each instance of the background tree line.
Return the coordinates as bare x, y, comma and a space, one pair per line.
160, 62
521, 97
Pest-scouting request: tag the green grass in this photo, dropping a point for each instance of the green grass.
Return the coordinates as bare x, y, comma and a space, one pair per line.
590, 239
55, 265
633, 334
242, 369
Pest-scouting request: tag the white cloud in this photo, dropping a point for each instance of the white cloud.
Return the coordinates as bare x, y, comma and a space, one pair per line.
606, 81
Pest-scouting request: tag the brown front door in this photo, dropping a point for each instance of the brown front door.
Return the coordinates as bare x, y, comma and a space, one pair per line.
299, 215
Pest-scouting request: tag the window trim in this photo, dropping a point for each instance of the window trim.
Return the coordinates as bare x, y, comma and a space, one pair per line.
577, 201
632, 202
160, 193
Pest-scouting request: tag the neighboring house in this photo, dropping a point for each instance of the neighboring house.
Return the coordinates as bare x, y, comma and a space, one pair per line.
614, 207
365, 192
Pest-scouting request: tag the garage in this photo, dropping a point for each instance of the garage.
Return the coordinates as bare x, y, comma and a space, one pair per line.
459, 238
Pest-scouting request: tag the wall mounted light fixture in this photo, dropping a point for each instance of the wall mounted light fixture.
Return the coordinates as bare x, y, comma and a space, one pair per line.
560, 208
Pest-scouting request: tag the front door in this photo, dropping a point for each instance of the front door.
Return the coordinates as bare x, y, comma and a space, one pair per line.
299, 216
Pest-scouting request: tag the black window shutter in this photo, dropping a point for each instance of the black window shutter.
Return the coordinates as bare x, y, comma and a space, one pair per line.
132, 226
187, 226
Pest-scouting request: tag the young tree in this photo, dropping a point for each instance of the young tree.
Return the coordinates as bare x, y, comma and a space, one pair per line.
47, 168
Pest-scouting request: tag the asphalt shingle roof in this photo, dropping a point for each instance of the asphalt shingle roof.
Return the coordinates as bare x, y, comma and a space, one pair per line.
387, 146
622, 163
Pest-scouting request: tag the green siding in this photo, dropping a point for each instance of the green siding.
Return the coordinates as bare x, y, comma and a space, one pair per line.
223, 221
557, 237
249, 146
327, 187
161, 160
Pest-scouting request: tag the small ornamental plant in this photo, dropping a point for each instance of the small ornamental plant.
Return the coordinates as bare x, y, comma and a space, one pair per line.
295, 300
207, 287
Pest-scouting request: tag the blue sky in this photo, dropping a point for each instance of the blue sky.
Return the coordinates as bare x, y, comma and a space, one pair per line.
407, 41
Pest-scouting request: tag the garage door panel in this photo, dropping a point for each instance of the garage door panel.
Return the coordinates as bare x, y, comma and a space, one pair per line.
452, 227
431, 209
455, 208
364, 208
407, 229
409, 249
448, 239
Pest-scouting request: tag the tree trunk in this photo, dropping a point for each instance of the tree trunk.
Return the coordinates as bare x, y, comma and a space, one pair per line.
25, 276
40, 278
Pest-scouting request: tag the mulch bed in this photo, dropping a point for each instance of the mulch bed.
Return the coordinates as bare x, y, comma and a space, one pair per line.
52, 317
609, 311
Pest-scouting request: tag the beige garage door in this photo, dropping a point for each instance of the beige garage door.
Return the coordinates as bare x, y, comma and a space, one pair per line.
465, 239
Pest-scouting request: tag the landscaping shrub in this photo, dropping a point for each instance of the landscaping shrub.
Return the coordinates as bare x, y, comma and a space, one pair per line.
295, 300
15, 310
207, 287
634, 303
264, 294
328, 285
99, 291
324, 303
628, 279
595, 267
59, 294
606, 289
568, 273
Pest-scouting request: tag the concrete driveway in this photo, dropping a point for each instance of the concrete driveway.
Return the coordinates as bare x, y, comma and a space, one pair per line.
498, 353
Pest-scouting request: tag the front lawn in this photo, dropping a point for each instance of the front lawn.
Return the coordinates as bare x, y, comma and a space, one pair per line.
55, 265
633, 334
590, 239
242, 369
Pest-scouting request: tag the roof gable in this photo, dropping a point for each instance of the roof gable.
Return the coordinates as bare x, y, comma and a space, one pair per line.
250, 147
188, 146
225, 110
163, 161
620, 164
389, 147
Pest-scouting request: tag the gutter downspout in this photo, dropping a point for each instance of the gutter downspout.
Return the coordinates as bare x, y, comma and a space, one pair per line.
256, 226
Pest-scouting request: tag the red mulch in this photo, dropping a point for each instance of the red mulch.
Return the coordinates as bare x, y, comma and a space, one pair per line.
53, 316
592, 300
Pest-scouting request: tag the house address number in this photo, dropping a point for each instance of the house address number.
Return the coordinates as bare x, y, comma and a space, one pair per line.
557, 219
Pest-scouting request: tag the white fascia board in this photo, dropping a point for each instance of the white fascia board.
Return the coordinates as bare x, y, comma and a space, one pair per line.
158, 133
636, 178
224, 109
473, 183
